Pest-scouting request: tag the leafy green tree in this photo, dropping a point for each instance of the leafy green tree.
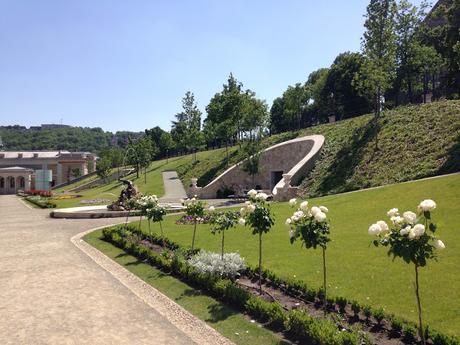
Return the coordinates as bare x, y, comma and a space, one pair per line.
167, 144
379, 48
140, 155
186, 130
338, 96
295, 101
251, 154
103, 167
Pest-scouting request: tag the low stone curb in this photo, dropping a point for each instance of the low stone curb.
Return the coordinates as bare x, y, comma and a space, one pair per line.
193, 327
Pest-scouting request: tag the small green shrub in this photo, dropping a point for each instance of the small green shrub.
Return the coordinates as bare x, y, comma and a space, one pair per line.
356, 307
342, 303
379, 315
396, 324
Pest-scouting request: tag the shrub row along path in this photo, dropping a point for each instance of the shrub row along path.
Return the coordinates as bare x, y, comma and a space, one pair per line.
174, 190
54, 293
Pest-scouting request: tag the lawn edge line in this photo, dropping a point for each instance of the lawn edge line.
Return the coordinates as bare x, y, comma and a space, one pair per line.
198, 330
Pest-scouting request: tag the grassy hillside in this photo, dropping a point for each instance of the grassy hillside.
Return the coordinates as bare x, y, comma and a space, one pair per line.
414, 142
356, 269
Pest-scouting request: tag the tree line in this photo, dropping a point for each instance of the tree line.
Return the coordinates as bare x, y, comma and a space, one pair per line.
408, 55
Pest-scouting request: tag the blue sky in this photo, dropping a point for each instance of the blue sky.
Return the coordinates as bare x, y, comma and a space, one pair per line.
125, 65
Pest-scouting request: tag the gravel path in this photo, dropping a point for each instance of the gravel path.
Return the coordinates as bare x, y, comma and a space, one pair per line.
174, 190
60, 291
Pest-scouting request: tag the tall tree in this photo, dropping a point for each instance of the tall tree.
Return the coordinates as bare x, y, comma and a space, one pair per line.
296, 100
338, 96
379, 48
186, 130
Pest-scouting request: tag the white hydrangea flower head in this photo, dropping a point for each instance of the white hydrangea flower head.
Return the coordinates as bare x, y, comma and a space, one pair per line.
314, 210
288, 221
383, 226
438, 244
241, 221
212, 209
410, 217
299, 214
251, 208
304, 205
393, 212
293, 202
427, 205
405, 231
261, 196
252, 193
320, 217
419, 230
374, 230
324, 209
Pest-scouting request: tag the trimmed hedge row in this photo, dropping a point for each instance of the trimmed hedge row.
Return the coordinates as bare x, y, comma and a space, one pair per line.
297, 324
42, 203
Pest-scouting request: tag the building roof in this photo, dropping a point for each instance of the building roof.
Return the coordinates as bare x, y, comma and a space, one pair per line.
15, 169
39, 154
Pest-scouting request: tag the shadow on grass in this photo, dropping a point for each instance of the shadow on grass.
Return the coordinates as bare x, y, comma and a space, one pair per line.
347, 159
122, 255
219, 312
189, 293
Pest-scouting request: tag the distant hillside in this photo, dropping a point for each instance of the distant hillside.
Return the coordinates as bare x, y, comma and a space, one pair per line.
64, 138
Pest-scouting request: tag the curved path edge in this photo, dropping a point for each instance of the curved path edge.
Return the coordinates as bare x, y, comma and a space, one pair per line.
196, 329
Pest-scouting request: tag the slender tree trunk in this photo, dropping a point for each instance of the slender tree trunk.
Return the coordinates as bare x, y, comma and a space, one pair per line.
126, 220
150, 230
137, 170
140, 220
324, 280
419, 305
162, 236
260, 262
409, 89
226, 150
376, 119
145, 175
223, 239
194, 232
433, 85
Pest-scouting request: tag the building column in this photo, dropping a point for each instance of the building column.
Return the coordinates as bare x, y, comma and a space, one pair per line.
84, 169
28, 182
59, 177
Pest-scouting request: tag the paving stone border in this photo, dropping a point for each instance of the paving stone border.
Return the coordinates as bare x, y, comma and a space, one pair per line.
193, 327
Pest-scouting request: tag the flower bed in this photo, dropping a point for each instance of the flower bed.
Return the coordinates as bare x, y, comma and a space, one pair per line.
40, 201
289, 306
189, 220
39, 192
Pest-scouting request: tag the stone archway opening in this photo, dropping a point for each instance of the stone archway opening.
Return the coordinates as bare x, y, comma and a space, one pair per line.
21, 182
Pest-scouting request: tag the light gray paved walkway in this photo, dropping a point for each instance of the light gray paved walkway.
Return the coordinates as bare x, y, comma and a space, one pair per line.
53, 293
174, 190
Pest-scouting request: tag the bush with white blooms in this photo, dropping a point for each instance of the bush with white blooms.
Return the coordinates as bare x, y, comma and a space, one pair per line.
195, 209
412, 237
311, 226
257, 215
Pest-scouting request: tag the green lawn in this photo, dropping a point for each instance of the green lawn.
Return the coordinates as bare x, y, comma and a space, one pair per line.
355, 268
225, 320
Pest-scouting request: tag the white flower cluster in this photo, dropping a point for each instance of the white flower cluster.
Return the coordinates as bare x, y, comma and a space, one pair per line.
406, 225
209, 262
250, 205
146, 201
304, 213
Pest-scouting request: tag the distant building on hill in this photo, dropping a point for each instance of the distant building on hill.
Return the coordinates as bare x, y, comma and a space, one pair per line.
42, 169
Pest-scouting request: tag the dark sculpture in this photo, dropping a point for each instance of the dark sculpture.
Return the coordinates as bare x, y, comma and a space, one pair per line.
127, 193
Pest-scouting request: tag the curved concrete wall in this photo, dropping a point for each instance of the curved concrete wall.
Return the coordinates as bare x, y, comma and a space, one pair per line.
285, 162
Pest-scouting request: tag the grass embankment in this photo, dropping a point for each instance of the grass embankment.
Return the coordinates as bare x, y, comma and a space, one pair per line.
414, 142
356, 269
224, 319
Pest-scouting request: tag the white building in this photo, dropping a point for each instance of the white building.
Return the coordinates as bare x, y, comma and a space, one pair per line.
42, 169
